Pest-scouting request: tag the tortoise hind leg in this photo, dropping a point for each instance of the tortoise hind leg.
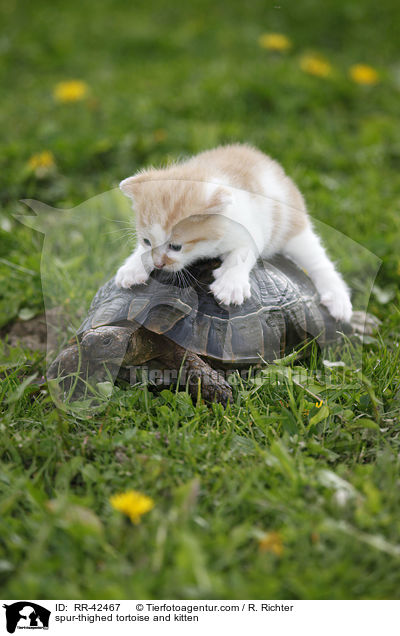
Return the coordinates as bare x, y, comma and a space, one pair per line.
213, 386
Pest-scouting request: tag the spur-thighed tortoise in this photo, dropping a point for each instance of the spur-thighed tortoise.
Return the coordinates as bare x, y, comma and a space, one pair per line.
176, 321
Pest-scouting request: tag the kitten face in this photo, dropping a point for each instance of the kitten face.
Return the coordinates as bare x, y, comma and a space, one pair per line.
195, 237
178, 220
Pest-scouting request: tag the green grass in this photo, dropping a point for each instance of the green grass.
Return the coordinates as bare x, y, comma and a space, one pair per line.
325, 479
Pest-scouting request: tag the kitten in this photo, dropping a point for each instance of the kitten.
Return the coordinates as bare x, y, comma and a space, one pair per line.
233, 202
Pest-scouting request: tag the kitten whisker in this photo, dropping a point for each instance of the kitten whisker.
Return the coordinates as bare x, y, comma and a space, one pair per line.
195, 280
126, 223
121, 232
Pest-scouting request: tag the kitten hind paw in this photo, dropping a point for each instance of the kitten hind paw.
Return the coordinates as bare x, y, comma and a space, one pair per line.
338, 304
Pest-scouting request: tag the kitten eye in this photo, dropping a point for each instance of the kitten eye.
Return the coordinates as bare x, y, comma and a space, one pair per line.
146, 242
175, 248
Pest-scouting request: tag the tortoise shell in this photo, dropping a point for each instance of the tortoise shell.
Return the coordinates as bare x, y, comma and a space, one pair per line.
283, 311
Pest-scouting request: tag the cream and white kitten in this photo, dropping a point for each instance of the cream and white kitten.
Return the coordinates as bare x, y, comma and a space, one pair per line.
233, 202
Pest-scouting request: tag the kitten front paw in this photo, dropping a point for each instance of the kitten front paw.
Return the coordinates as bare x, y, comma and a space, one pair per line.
231, 289
127, 276
338, 303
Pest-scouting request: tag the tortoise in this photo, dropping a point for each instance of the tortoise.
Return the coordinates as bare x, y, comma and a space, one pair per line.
168, 322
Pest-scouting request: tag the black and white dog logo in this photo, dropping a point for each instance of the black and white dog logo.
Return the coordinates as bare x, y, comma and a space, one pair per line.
26, 615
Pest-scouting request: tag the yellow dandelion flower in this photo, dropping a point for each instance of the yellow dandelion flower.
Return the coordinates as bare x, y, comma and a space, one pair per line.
363, 74
271, 542
71, 91
132, 503
42, 163
274, 42
43, 159
315, 65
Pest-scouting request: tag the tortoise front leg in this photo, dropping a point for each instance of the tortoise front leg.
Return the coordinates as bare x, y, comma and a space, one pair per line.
213, 386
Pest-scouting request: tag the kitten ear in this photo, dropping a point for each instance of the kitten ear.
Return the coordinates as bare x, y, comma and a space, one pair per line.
127, 186
221, 199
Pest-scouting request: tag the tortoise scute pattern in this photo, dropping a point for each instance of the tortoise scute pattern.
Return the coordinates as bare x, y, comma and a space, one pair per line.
283, 311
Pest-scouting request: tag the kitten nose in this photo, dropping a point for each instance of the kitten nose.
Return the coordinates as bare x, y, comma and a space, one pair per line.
158, 258
158, 261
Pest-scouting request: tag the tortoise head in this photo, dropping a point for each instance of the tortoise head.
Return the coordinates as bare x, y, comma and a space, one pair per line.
106, 343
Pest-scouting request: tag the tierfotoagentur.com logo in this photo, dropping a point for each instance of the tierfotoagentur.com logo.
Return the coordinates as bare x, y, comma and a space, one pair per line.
26, 615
